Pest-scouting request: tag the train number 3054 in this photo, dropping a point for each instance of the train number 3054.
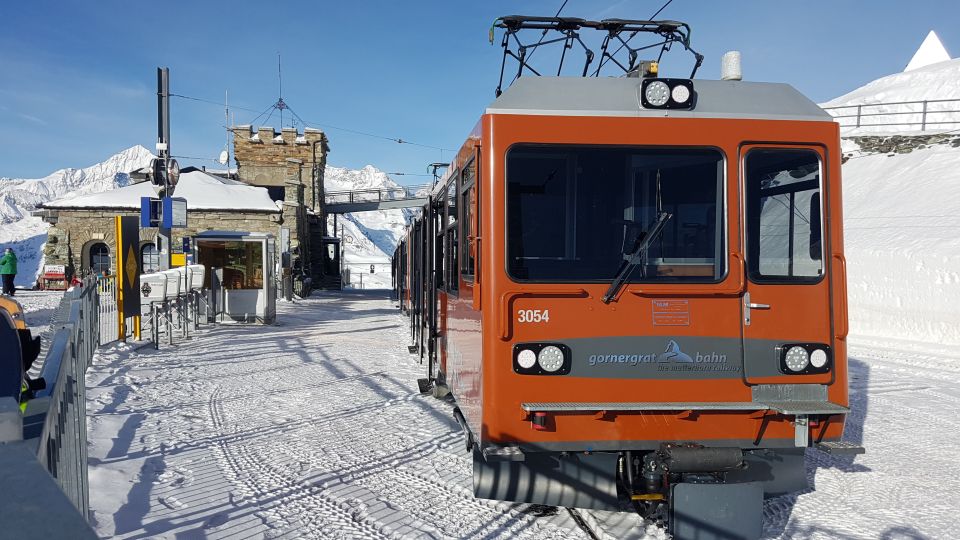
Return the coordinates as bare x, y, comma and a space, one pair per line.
533, 315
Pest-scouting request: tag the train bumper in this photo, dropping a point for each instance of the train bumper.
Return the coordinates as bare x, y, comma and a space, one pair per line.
555, 479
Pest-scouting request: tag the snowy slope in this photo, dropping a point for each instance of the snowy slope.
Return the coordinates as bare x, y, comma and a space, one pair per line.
901, 214
901, 222
18, 197
370, 237
938, 81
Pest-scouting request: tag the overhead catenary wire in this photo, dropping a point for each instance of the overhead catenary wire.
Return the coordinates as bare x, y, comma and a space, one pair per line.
324, 125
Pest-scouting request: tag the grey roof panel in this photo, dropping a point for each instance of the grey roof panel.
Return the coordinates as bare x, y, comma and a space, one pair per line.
592, 96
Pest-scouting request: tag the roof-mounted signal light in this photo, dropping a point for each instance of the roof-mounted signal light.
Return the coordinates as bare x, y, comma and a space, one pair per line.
667, 94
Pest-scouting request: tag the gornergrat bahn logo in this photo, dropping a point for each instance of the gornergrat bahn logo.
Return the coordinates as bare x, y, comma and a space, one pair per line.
673, 358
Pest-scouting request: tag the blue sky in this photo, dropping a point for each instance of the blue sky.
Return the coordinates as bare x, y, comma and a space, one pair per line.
78, 78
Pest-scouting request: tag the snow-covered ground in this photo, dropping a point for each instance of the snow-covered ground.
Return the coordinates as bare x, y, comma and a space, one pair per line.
314, 428
311, 428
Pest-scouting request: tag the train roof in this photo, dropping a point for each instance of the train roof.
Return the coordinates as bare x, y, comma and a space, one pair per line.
597, 96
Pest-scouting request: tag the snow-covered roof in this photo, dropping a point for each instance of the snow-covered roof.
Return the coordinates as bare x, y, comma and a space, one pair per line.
201, 190
931, 51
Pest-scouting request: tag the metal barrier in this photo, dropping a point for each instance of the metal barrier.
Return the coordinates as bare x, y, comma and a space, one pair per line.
107, 308
381, 194
942, 113
172, 303
54, 422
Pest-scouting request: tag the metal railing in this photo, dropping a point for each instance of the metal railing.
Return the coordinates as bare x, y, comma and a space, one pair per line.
56, 418
376, 195
926, 114
107, 309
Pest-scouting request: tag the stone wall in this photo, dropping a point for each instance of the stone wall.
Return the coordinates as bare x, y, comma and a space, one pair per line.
75, 230
901, 144
262, 157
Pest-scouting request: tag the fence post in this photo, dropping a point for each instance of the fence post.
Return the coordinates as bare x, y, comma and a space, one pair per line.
923, 118
859, 108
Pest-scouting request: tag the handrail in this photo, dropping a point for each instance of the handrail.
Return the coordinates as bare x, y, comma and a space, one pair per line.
386, 193
841, 281
924, 112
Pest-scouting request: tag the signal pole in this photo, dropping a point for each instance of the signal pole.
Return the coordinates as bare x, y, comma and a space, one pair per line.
163, 153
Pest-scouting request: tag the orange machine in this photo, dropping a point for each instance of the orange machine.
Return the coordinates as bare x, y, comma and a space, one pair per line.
638, 301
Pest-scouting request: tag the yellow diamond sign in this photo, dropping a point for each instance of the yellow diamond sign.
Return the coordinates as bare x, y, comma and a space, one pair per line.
131, 265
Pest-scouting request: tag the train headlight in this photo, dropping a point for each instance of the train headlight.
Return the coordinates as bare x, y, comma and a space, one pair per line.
542, 358
818, 358
797, 359
526, 358
657, 93
680, 94
805, 358
667, 94
550, 358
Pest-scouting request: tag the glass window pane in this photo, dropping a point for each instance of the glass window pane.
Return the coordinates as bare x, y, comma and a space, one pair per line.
242, 262
100, 259
784, 240
578, 213
149, 259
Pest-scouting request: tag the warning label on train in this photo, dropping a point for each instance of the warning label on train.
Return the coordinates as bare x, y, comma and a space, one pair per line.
671, 312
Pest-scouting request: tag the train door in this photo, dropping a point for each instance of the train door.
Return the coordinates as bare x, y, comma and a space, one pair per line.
787, 299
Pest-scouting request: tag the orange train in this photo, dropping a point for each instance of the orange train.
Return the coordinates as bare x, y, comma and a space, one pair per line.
638, 301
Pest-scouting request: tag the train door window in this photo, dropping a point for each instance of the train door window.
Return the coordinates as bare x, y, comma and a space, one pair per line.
784, 230
452, 247
580, 213
438, 221
467, 201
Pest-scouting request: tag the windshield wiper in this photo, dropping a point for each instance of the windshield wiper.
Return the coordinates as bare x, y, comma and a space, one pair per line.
635, 257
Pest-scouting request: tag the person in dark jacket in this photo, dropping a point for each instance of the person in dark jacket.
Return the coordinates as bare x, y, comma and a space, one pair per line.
8, 270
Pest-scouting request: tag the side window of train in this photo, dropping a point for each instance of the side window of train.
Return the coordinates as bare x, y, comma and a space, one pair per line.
438, 222
784, 220
467, 202
452, 248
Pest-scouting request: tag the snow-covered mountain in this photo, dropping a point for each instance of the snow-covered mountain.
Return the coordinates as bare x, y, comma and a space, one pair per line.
369, 237
18, 197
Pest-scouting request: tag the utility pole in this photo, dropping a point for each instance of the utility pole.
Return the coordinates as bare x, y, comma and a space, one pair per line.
163, 153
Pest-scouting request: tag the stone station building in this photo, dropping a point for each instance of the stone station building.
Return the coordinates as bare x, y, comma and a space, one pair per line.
277, 188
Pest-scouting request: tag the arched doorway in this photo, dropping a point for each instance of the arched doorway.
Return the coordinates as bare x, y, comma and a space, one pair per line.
100, 258
149, 258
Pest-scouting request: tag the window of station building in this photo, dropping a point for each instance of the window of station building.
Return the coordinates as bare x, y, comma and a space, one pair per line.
581, 213
452, 266
784, 223
100, 259
149, 259
468, 201
242, 263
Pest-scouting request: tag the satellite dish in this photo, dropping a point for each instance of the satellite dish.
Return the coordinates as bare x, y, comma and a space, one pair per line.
223, 158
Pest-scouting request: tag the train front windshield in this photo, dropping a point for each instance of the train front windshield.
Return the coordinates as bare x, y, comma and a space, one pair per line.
576, 213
